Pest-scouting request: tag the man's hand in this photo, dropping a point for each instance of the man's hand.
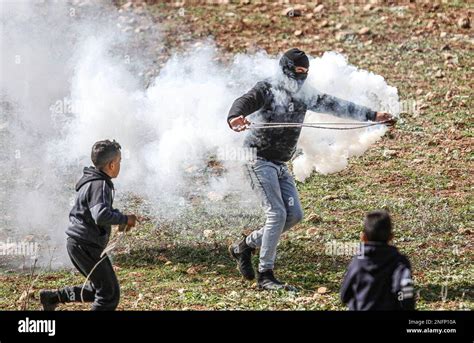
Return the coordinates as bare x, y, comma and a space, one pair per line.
239, 123
385, 116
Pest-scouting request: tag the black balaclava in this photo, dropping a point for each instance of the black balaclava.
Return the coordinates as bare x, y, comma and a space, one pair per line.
291, 59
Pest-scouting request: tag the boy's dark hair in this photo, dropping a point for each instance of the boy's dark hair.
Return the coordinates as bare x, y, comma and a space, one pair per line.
378, 226
104, 152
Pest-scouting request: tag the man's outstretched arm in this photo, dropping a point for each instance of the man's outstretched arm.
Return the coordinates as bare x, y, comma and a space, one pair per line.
326, 103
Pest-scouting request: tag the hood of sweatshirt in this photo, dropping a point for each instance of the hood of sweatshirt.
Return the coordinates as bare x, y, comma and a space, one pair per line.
378, 257
92, 174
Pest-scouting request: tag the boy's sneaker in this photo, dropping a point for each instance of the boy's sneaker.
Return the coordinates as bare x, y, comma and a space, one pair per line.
267, 281
49, 299
243, 254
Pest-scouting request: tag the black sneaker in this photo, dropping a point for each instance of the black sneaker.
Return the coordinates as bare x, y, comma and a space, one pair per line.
243, 254
49, 299
267, 281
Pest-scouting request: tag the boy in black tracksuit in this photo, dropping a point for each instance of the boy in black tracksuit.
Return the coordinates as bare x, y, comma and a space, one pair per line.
88, 233
379, 279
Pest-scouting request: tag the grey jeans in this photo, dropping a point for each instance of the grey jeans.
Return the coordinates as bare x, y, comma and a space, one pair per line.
276, 188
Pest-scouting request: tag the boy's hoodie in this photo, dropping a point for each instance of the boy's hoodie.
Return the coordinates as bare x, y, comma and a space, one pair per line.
378, 280
92, 214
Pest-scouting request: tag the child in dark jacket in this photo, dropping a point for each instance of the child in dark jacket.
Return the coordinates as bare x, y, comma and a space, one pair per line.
89, 230
379, 279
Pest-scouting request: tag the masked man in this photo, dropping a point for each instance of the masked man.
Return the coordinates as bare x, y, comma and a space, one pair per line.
282, 99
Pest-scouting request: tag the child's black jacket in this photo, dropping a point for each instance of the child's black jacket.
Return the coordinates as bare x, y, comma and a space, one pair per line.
92, 214
379, 279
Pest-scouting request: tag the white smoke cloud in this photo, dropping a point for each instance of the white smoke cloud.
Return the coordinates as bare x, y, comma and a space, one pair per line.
328, 151
80, 89
41, 44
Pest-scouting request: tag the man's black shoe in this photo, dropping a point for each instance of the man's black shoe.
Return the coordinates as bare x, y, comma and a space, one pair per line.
267, 281
243, 254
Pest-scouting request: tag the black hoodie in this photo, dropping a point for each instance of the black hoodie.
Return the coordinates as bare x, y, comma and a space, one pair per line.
379, 279
92, 214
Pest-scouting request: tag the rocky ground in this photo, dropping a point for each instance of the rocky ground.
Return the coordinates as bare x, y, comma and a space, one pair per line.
422, 170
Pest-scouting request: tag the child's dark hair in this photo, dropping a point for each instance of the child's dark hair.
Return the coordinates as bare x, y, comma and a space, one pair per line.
104, 152
378, 226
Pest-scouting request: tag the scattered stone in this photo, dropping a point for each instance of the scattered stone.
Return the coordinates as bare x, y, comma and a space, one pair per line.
344, 35
423, 107
314, 218
429, 96
298, 33
291, 12
431, 24
450, 58
449, 95
464, 22
322, 290
247, 21
342, 8
389, 153
319, 8
208, 233
192, 270
324, 23
464, 231
332, 197
364, 31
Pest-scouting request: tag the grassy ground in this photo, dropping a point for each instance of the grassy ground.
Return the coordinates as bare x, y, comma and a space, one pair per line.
422, 171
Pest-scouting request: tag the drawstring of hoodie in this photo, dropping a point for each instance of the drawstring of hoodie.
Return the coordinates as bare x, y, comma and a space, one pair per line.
324, 126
